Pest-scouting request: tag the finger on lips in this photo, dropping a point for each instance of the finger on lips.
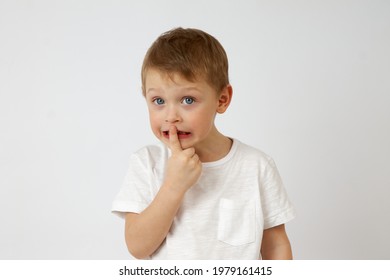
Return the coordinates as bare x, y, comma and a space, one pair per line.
174, 142
175, 145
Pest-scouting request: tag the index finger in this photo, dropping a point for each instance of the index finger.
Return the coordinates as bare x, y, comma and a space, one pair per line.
174, 143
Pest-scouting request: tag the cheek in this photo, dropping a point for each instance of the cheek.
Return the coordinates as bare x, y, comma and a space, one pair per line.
154, 121
203, 121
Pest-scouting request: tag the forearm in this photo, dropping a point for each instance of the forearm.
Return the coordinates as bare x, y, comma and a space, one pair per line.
146, 231
278, 252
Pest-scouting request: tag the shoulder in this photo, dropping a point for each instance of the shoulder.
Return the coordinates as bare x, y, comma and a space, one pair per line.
151, 151
250, 153
150, 155
254, 159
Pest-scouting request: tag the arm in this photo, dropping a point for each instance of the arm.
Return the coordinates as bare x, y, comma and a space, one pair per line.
275, 244
145, 232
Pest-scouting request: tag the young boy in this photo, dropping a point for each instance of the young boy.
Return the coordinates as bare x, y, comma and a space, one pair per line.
199, 194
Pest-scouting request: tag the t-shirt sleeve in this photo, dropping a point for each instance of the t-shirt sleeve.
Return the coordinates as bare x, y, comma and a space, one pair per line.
135, 193
277, 207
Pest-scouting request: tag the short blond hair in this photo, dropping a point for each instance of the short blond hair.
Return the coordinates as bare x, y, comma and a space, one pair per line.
192, 53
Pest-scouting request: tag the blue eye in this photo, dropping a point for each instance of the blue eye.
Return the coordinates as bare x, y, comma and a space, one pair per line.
158, 101
188, 100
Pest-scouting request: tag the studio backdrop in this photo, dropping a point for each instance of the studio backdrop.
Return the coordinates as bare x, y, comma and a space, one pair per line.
311, 83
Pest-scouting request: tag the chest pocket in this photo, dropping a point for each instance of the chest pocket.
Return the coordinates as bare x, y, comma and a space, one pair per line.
237, 222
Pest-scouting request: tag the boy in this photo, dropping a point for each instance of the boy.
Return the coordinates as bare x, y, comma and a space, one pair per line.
199, 194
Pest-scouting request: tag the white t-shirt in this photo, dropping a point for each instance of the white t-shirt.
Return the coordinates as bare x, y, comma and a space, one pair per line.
223, 215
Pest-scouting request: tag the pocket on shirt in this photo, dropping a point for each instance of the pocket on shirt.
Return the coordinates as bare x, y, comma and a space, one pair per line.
237, 222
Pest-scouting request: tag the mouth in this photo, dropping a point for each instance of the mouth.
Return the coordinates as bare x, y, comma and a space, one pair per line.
180, 134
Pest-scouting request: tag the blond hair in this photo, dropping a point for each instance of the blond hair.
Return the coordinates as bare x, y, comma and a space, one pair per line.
192, 53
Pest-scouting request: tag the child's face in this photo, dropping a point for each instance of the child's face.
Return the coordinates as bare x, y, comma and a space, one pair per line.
190, 106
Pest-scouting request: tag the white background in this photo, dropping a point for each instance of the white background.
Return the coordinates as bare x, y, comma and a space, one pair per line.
311, 86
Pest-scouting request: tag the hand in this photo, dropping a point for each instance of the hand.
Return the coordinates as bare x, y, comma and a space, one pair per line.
184, 167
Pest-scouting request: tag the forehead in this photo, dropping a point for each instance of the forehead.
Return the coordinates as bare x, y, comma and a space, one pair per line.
154, 76
159, 80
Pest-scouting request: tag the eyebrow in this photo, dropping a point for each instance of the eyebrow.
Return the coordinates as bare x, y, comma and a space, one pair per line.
151, 90
191, 88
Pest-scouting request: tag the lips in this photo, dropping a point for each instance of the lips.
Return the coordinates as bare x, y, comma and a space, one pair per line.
179, 133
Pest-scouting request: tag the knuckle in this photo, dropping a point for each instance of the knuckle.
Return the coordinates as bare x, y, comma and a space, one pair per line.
190, 151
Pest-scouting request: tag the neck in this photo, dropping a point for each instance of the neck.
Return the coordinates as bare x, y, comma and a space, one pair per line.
217, 146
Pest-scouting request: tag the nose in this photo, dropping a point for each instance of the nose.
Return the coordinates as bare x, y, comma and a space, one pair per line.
172, 115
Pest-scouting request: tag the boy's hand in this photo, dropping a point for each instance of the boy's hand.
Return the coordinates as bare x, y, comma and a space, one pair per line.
184, 166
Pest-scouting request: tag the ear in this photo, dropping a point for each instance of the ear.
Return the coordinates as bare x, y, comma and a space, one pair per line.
225, 97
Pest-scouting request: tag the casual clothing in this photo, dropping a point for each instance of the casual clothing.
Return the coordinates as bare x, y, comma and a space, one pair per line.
223, 215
